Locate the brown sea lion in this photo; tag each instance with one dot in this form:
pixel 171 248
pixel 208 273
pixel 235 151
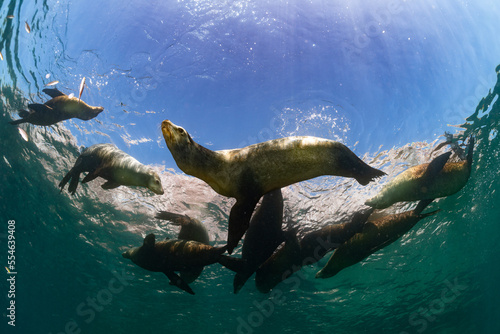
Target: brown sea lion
pixel 310 249
pixel 250 172
pixel 375 235
pixel 439 178
pixel 114 165
pixel 61 107
pixel 191 229
pixel 173 255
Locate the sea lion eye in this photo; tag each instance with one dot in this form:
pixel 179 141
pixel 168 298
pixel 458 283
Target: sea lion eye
pixel 182 131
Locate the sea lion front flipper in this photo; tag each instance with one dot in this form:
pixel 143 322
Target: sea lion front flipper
pixel 53 92
pixel 178 282
pixel 239 220
pixel 470 149
pixel 433 169
pixel 175 218
pixel 40 108
pixel 110 185
pixel 90 176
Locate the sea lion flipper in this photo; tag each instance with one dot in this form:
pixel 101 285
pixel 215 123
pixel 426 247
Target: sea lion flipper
pixel 470 149
pixel 239 220
pixel 53 92
pixel 435 166
pixel 40 108
pixel 90 176
pixel 422 205
pixel 178 282
pixel 174 218
pixel 110 185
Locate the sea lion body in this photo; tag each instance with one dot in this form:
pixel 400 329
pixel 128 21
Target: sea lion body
pixel 114 165
pixel 248 173
pixel 61 107
pixel 375 235
pixel 191 229
pixel 310 249
pixel 417 184
pixel 173 255
pixel 263 236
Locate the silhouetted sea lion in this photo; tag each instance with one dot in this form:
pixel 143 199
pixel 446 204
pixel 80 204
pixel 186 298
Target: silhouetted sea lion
pixel 248 173
pixel 375 235
pixel 191 229
pixel 310 249
pixel 438 178
pixel 114 165
pixel 61 107
pixel 263 236
pixel 173 255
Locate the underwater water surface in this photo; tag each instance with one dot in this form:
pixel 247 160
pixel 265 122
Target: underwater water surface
pixel 388 79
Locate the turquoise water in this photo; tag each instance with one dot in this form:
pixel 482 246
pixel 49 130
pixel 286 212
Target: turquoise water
pixel 233 75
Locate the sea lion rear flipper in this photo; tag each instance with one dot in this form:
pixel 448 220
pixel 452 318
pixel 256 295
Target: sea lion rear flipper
pixel 110 185
pixel 53 92
pixel 178 282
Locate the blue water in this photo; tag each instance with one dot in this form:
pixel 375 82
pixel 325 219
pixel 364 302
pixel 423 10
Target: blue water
pixel 387 79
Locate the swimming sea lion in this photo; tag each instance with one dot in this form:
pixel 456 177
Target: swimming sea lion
pixel 61 107
pixel 312 247
pixel 191 229
pixel 263 236
pixel 438 178
pixel 173 255
pixel 375 235
pixel 248 173
pixel 114 165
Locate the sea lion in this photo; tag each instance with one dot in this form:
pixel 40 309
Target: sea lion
pixel 173 255
pixel 263 236
pixel 310 249
pixel 375 235
pixel 191 229
pixel 61 107
pixel 114 165
pixel 248 173
pixel 439 178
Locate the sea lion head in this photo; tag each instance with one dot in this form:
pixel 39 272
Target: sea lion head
pixel 90 113
pixel 174 135
pixel 154 183
pixel 142 255
pixel 180 144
